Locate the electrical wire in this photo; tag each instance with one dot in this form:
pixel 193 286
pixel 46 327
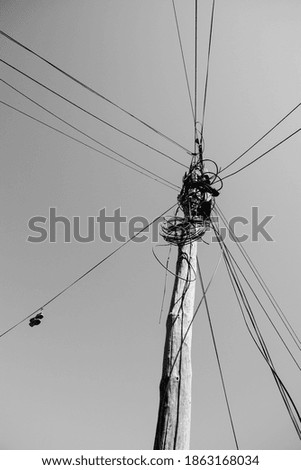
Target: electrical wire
pixel 259 340
pixel 183 58
pixel 71 77
pixel 165 284
pixel 261 138
pixel 83 143
pixel 86 273
pixel 169 271
pixel 261 305
pixel 179 231
pixel 261 282
pixel 262 155
pixel 195 73
pixel 207 68
pixel 217 356
pixel 92 115
pixel 87 135
pixel 288 402
pixel 258 300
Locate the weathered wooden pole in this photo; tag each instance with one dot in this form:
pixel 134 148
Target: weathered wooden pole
pixel 173 426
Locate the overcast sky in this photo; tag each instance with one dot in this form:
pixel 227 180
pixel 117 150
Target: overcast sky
pixel 88 376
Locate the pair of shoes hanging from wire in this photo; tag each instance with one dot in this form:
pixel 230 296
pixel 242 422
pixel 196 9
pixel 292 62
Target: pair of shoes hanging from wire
pixel 37 319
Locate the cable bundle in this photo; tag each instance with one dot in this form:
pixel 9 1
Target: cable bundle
pixel 181 231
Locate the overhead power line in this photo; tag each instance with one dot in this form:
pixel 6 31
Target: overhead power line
pixel 261 281
pixel 256 334
pixel 262 155
pixel 87 272
pixel 10 38
pixel 81 142
pixel 183 58
pixel 217 355
pixel 87 135
pixel 91 114
pixel 261 305
pixel 195 73
pixel 207 68
pixel 261 138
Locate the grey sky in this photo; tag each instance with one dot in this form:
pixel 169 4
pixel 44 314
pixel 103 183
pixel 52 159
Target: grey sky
pixel 88 377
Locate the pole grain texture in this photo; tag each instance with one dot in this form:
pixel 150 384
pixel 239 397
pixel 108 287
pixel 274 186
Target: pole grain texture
pixel 174 417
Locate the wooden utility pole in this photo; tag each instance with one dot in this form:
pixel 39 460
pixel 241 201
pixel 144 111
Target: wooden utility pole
pixel 173 426
pixel 195 202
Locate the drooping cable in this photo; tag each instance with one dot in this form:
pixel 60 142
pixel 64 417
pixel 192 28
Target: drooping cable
pixel 217 356
pixel 92 114
pixel 170 271
pixel 261 281
pixel 165 284
pixel 87 272
pixel 207 69
pixel 87 135
pixel 183 58
pixel 261 138
pixel 23 113
pixel 10 38
pixel 262 155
